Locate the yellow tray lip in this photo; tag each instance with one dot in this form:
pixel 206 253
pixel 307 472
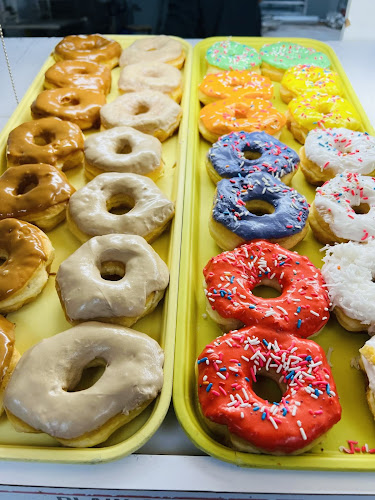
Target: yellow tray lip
pixel 120 450
pixel 307 461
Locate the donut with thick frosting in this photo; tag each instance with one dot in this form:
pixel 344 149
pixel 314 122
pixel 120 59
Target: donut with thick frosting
pixel 230 55
pixel 94 48
pixel 80 74
pixel 162 48
pixel 367 353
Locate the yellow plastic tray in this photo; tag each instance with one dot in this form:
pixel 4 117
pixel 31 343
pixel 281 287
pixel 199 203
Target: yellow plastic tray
pixel 194 331
pixel 44 317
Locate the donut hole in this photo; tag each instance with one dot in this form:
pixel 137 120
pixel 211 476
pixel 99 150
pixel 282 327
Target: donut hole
pixel 325 108
pixel 259 207
pixel 69 100
pixel 362 208
pixel 123 147
pixel 151 49
pixel 240 112
pixel 91 373
pixel 251 155
pixel 267 289
pixel 44 138
pixel 267 388
pixel 3 256
pixel 112 271
pixel 120 204
pixel 141 109
pixel 28 182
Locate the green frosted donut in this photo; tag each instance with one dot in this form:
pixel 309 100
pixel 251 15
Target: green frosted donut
pixel 230 55
pixel 284 55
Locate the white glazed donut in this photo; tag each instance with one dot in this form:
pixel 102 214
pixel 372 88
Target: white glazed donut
pixel 348 271
pixel 89 211
pixel 344 209
pixel 117 278
pixel 330 151
pixel 151 76
pixel 367 362
pixel 123 150
pixel 158 48
pixel 148 111
pixel 40 396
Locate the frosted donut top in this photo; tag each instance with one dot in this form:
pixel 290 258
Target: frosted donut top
pixel 230 55
pixel 284 55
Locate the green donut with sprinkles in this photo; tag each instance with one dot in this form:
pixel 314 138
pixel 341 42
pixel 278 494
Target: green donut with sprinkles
pixel 228 56
pixel 276 58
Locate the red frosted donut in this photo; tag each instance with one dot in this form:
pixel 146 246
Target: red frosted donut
pixel 230 365
pixel 302 307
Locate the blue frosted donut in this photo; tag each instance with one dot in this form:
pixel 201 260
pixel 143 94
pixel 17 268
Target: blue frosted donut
pixel 227 159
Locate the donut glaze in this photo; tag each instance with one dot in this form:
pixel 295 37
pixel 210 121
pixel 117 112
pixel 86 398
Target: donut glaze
pixel 94 48
pixel 80 74
pixel 230 365
pixel 231 55
pixel 302 307
pixel 284 55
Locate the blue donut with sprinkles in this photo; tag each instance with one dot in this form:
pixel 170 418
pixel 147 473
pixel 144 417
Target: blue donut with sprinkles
pixel 257 206
pixel 244 153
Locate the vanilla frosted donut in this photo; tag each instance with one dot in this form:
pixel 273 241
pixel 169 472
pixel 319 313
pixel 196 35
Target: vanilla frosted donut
pixel 348 271
pixel 158 48
pixel 89 212
pixel 148 111
pixel 367 363
pixel 330 151
pixel 123 149
pixel 344 209
pixel 117 278
pixel 151 76
pixel 40 396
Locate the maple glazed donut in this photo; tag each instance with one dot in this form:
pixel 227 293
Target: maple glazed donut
pixel 80 106
pixel 9 355
pixel 255 207
pixel 37 402
pixel 89 213
pixel 48 140
pixel 93 48
pixel 302 307
pixel 230 55
pixel 80 74
pixel 123 150
pixel 162 49
pixel 36 193
pixel 27 254
pixel 88 291
pixel 228 369
pixel 243 153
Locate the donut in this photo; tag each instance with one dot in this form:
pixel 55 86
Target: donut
pixel 9 356
pixel 148 111
pixel 118 278
pixel 229 55
pixel 80 74
pixel 277 57
pixel 344 209
pixel 216 86
pixel 228 371
pixel 367 363
pixel 237 114
pixel 242 153
pixel 26 254
pixel 309 111
pixel 48 140
pixel 41 395
pixel 230 278
pixel 255 207
pixel 123 150
pixel 92 209
pixel 162 49
pixel 331 151
pixel 348 271
pixel 304 78
pixel 36 193
pixel 92 48
pixel 79 106
pixel 152 76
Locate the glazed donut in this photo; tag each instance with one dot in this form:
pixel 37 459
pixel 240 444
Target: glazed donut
pixel 79 106
pixel 344 209
pixel 239 114
pixel 348 271
pixel 27 254
pixel 254 207
pixel 229 55
pixel 309 111
pixel 80 74
pixel 304 78
pixel 9 356
pixel 367 363
pixel 36 193
pixel 90 208
pixel 40 396
pixel 152 76
pixel 162 49
pixel 302 307
pixel 123 150
pixel 48 140
pixel 228 369
pixel 331 151
pixel 88 291
pixel 148 111
pixel 277 57
pixel 93 48
pixel 242 153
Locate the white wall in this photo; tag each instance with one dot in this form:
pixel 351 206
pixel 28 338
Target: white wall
pixel 361 16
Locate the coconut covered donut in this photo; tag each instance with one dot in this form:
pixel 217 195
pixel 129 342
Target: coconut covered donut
pixel 162 49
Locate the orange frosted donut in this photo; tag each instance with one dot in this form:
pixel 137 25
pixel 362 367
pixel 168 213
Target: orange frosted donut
pixel 216 86
pixel 239 114
pixel 94 48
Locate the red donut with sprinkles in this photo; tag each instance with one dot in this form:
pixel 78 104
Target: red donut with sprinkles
pixel 302 307
pixel 229 368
